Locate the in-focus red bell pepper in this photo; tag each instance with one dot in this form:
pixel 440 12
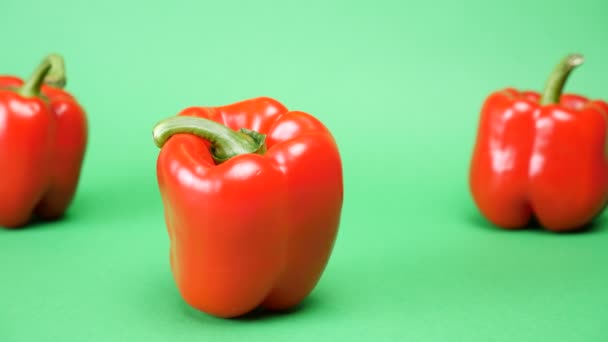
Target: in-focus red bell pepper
pixel 541 157
pixel 43 136
pixel 252 214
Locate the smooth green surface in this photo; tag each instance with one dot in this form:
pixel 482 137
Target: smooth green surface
pixel 399 83
pixel 556 82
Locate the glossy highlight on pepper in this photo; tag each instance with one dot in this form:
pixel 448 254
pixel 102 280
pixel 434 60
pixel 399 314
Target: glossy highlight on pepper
pixel 252 196
pixel 541 156
pixel 43 137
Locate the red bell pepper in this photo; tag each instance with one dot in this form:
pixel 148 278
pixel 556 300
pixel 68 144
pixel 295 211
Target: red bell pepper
pixel 541 157
pixel 43 135
pixel 252 214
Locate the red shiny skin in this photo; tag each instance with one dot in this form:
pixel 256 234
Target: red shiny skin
pixel 549 161
pixel 42 142
pixel 257 230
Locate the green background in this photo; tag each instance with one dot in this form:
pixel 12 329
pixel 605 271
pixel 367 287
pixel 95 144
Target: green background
pixel 399 84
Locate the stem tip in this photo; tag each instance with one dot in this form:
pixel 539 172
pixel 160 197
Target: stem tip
pixel 575 59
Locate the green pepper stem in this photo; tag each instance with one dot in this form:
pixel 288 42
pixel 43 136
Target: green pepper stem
pixel 225 143
pixel 57 75
pixel 51 71
pixel 557 79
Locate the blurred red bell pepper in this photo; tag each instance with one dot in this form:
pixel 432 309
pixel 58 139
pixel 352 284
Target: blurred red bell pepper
pixel 43 135
pixel 252 214
pixel 541 157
